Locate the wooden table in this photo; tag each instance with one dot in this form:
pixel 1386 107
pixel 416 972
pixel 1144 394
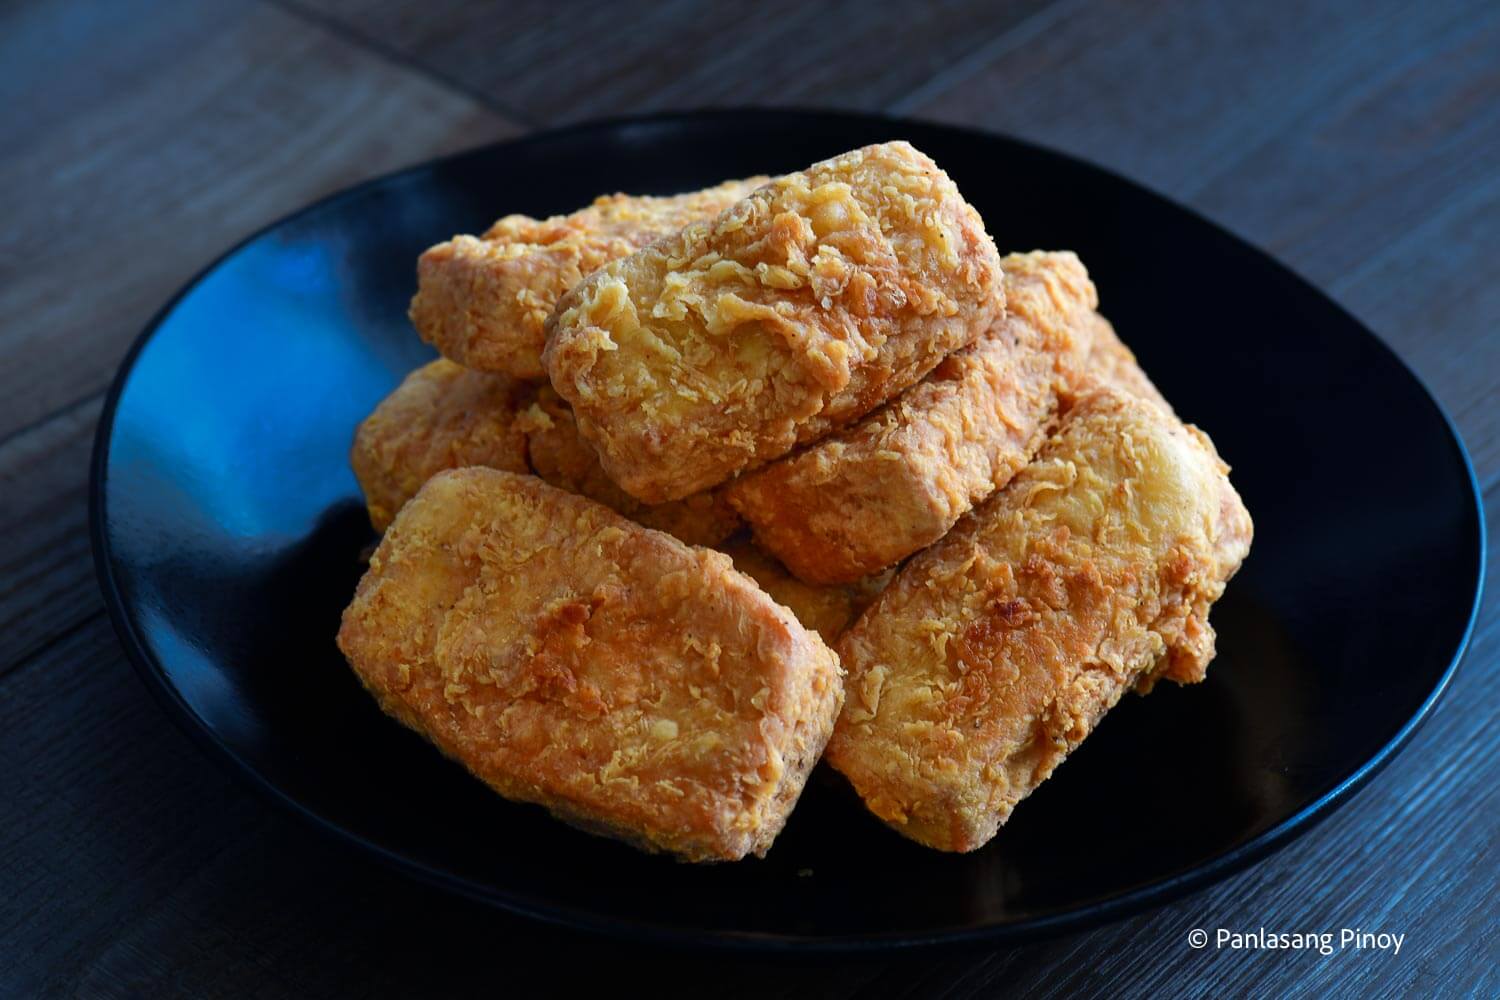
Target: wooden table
pixel 1359 142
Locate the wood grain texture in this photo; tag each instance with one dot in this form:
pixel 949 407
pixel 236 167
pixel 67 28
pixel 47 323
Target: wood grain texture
pixel 46 575
pixel 177 129
pixel 1414 852
pixel 158 875
pixel 1357 141
pixel 170 879
pixel 547 63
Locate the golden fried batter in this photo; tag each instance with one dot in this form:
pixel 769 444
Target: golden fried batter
pixel 995 652
pixel 1112 363
pixel 794 313
pixel 565 460
pixel 484 301
pixel 441 417
pixel 825 610
pixel 444 417
pixel 633 685
pixel 869 496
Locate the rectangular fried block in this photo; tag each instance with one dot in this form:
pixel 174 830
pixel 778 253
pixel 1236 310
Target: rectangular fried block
pixel 867 497
pixel 827 610
pixel 441 416
pixel 1112 363
pixel 797 311
pixel 995 652
pixel 559 456
pixel 484 301
pixel 633 685
pixel 444 416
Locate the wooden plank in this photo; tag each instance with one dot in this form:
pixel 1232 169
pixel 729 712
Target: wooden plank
pixel 1415 852
pixel 46 573
pixel 548 62
pixel 142 139
pixel 1356 142
pixel 133 866
pixel 1432 296
pixel 1176 94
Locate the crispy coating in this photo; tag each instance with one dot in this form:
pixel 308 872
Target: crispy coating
pixel 995 652
pixel 825 610
pixel 444 416
pixel 441 417
pixel 559 456
pixel 484 301
pixel 633 685
pixel 794 313
pixel 1112 363
pixel 1053 302
pixel 867 497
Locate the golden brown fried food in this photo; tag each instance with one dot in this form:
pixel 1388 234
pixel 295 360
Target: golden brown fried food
pixel 867 497
pixel 863 499
pixel 825 610
pixel 633 685
pixel 484 301
pixel 444 416
pixel 565 460
pixel 1112 363
pixel 1055 301
pixel 441 417
pixel 794 313
pixel 995 652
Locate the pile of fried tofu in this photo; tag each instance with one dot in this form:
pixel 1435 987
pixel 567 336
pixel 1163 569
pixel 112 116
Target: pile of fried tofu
pixel 708 488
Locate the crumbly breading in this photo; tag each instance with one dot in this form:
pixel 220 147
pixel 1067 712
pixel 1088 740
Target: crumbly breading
pixel 996 651
pixel 794 313
pixel 633 685
pixel 867 497
pixel 440 417
pixel 559 456
pixel 825 610
pixel 484 301
pixel 444 416
pixel 1112 363
pixel 1051 297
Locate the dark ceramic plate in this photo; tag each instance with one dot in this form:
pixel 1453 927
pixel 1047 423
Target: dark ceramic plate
pixel 227 531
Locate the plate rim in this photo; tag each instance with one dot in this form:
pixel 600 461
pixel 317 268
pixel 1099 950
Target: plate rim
pixel 1077 918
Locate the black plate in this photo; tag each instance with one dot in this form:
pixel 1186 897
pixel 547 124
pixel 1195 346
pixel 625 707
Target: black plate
pixel 227 531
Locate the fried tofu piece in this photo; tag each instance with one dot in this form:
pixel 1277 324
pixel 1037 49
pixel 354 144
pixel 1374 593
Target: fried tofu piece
pixel 867 497
pixel 559 456
pixel 996 651
pixel 440 417
pixel 484 301
pixel 633 685
pixel 863 499
pixel 796 312
pixel 1112 363
pixel 444 416
pixel 825 610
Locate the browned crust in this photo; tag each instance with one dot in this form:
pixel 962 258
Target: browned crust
pixel 569 657
pixel 484 301
pixel 443 416
pixel 1111 363
pixel 827 610
pixel 561 457
pixel 867 497
pixel 996 651
pixel 440 417
pixel 796 312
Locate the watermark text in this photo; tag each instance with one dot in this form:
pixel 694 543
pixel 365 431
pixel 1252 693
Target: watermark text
pixel 1322 942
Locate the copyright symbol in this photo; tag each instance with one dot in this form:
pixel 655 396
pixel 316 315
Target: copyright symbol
pixel 1197 937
